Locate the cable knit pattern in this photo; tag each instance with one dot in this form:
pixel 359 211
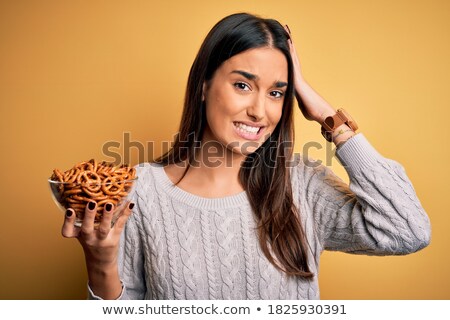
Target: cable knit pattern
pixel 249 255
pixel 188 242
pixel 213 273
pixel 171 247
pixel 153 245
pixel 178 245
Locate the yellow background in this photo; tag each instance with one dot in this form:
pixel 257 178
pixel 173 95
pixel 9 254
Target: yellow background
pixel 77 74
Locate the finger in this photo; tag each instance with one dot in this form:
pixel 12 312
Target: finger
pixel 286 27
pixel 288 30
pixel 293 50
pixel 297 72
pixel 87 226
pixel 121 221
pixel 68 229
pixel 105 225
pixel 290 41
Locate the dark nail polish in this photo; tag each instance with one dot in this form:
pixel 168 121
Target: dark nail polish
pixel 108 207
pixel 131 205
pixel 68 213
pixel 91 205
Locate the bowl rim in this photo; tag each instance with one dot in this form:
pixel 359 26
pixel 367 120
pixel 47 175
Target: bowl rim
pixel 101 183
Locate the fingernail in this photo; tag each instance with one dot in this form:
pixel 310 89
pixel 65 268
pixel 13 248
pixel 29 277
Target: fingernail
pixel 91 205
pixel 131 205
pixel 108 207
pixel 68 213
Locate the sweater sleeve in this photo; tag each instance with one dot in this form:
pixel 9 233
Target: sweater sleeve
pixel 378 213
pixel 131 257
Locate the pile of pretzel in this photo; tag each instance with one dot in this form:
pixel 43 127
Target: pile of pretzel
pixel 88 180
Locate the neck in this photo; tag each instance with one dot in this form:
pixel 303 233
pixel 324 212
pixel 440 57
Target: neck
pixel 216 165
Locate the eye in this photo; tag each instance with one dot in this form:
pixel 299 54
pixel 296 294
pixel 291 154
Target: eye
pixel 277 94
pixel 242 86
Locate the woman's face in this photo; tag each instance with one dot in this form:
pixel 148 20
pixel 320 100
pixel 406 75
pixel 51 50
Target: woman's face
pixel 244 99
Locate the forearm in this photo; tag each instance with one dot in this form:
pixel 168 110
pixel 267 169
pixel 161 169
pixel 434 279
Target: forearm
pixel 313 101
pixel 312 105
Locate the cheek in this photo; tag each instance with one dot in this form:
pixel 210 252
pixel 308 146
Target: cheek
pixel 216 113
pixel 214 108
pixel 274 115
pixel 223 106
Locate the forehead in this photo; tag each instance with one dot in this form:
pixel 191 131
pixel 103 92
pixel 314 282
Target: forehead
pixel 267 63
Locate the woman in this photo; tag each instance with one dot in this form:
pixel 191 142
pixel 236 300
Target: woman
pixel 226 213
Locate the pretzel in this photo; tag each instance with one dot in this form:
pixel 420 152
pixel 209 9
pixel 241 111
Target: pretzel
pixel 88 180
pixel 111 186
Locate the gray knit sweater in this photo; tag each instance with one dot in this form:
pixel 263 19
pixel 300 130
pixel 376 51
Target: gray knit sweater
pixel 177 245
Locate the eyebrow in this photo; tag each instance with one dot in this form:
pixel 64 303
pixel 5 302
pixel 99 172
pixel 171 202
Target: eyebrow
pixel 250 76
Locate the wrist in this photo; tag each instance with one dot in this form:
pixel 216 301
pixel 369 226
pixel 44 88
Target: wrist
pixel 101 269
pixel 103 266
pixel 327 112
pixel 342 134
pixel 338 127
pixel 104 282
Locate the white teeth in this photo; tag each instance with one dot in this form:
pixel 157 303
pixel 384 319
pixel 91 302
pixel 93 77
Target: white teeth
pixel 247 129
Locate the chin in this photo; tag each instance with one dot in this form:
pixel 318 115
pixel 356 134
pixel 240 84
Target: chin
pixel 246 147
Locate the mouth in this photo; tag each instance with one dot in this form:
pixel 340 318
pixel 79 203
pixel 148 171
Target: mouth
pixel 248 132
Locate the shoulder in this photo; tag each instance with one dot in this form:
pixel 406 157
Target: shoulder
pixel 143 170
pixel 153 177
pixel 145 183
pixel 310 176
pixel 305 168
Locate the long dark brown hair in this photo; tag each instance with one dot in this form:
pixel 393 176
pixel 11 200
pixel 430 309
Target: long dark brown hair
pixel 264 174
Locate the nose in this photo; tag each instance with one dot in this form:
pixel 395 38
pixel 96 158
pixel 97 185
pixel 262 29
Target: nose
pixel 257 109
